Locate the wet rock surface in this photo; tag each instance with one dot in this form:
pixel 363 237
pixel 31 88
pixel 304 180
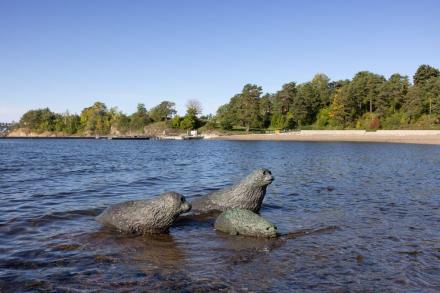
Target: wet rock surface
pixel 243 222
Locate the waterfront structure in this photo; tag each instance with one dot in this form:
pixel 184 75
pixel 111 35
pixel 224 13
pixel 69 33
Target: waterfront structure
pixel 5 128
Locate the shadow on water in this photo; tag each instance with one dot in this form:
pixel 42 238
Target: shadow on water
pixel 157 250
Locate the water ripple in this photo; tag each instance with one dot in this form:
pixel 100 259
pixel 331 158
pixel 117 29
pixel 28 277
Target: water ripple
pixel 353 217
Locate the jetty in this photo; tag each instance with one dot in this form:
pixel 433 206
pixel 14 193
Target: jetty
pixel 190 135
pixel 83 137
pixel 7 134
pixel 152 137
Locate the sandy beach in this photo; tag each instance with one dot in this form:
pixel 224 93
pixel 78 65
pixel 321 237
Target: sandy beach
pixel 386 136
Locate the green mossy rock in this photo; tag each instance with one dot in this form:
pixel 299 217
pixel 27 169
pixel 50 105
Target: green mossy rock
pixel 244 222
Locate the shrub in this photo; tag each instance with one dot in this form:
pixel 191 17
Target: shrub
pixel 426 122
pixel 369 121
pixel 396 121
pixel 175 122
pixel 323 118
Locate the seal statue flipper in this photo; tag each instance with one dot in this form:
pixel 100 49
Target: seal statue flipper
pixel 155 215
pixel 247 194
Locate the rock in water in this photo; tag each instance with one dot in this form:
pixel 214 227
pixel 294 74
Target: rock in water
pixel 155 215
pixel 244 222
pixel 247 194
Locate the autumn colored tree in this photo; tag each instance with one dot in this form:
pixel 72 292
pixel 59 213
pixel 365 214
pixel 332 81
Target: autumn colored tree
pixel 343 108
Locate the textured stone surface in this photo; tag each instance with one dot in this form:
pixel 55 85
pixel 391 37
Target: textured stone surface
pixel 247 194
pixel 244 222
pixel 155 215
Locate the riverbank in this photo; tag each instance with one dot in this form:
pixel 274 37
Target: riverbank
pixel 386 136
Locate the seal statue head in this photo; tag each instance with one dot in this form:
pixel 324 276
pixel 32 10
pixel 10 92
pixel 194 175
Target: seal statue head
pixel 260 177
pixel 177 201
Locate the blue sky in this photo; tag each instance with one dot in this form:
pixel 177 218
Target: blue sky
pixel 68 54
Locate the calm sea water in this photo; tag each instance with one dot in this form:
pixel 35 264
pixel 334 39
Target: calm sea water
pixel 366 217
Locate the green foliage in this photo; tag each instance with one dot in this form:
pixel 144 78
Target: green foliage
pixel 194 107
pixel 284 99
pixel 364 90
pixel 266 110
pixel 282 122
pixel 307 104
pixel 323 118
pixel 414 105
pixel 322 89
pixel 423 99
pixel 119 121
pixel 396 120
pixel 72 123
pixel 39 120
pixel 210 125
pixel 427 121
pixel 391 95
pixel 278 121
pixel 43 120
pixel 431 96
pixel 246 106
pixel 343 108
pixel 226 124
pixel 162 112
pixel 191 121
pixel 369 121
pixel 67 123
pixel 424 73
pixel 368 101
pixel 95 120
pixel 175 122
pixel 139 119
pixel 226 117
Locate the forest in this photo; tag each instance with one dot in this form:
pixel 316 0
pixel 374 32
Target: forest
pixel 367 101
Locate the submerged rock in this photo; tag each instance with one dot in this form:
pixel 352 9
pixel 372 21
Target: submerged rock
pixel 244 222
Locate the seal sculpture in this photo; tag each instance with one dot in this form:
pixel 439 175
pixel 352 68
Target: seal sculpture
pixel 244 222
pixel 247 194
pixel 154 215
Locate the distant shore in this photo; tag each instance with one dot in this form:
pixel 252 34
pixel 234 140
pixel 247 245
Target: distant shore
pixel 386 136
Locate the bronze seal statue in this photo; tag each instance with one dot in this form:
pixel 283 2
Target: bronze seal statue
pixel 154 215
pixel 247 194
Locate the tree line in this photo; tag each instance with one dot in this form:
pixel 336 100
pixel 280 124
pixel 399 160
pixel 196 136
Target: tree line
pixel 367 101
pixel 98 119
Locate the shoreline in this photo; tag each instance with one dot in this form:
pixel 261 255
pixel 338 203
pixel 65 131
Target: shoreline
pixel 31 137
pixel 431 137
